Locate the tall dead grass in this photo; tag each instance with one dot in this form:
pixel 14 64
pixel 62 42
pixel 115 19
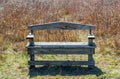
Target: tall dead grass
pixel 104 14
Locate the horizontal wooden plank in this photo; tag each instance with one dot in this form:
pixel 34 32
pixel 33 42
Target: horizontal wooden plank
pixel 63 63
pixel 60 51
pixel 61 45
pixel 61 25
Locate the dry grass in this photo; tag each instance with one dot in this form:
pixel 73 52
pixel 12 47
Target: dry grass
pixel 104 14
pixel 16 15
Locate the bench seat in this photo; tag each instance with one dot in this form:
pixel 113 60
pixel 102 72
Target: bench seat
pixel 61 48
pixel 61 45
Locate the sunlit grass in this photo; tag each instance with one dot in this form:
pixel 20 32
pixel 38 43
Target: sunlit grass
pixel 15 66
pixel 15 17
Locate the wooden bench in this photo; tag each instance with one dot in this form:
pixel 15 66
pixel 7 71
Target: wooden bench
pixel 61 47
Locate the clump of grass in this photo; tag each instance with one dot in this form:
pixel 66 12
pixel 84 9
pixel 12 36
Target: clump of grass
pixel 108 45
pixel 14 65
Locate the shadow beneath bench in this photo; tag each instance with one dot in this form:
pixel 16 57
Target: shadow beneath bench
pixel 64 71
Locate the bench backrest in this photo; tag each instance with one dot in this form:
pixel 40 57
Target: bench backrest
pixel 61 26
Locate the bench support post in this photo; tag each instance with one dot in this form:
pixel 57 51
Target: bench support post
pixel 32 58
pixel 90 38
pixel 91 60
pixel 31 38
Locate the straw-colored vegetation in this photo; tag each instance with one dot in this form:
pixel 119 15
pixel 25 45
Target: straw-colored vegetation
pixel 16 15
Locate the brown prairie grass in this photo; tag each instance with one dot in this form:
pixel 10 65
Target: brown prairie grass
pixel 104 14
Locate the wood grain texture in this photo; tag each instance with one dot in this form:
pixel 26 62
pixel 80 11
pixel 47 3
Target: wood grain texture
pixel 61 26
pixel 63 63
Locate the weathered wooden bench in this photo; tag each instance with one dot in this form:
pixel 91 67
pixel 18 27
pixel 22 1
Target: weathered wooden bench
pixel 61 47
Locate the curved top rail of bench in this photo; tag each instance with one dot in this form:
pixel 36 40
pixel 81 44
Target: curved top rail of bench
pixel 61 26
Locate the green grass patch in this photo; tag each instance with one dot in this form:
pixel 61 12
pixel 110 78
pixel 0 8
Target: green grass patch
pixel 14 65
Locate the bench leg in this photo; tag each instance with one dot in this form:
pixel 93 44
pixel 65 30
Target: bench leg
pixel 91 61
pixel 32 58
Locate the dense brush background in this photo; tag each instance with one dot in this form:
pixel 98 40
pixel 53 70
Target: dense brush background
pixel 16 15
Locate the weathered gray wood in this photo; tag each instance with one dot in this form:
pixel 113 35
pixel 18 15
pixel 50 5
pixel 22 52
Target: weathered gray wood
pixel 32 58
pixel 63 63
pixel 61 25
pixel 90 59
pixel 60 51
pixel 61 45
